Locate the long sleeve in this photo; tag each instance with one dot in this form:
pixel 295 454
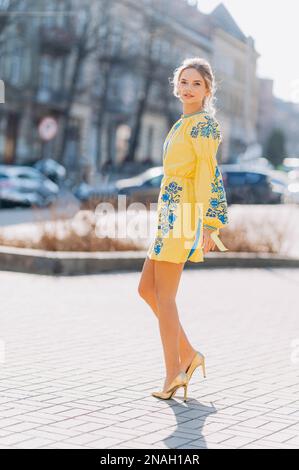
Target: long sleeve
pixel 208 184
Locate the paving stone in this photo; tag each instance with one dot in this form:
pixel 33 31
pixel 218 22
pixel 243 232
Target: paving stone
pixel 79 374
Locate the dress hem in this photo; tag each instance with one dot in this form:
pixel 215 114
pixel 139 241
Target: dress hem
pixel 176 262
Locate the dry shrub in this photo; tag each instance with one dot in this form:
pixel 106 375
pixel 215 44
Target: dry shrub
pixel 255 229
pixel 64 234
pixel 68 237
pixel 263 229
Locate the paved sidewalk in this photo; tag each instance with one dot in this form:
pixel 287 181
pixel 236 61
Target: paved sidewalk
pixel 83 354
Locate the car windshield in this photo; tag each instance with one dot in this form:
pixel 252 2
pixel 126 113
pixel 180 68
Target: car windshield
pixel 254 177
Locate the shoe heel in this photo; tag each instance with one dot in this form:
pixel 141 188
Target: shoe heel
pixel 185 392
pixel 203 365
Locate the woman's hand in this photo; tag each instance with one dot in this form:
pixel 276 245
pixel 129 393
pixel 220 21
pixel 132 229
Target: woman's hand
pixel 208 243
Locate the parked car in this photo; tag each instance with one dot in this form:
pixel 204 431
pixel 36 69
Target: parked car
pixel 16 195
pixel 290 163
pixel 142 188
pixel 259 163
pixel 244 185
pixel 293 175
pixel 51 169
pixel 24 186
pixel 85 191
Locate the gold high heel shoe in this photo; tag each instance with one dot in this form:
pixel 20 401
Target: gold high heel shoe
pixel 181 380
pixel 198 360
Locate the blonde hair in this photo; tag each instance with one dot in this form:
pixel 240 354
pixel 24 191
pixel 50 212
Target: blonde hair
pixel 204 68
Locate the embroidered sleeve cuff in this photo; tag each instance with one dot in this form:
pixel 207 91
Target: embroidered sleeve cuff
pixel 210 227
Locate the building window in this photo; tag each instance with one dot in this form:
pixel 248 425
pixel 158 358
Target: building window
pixel 45 72
pixel 13 63
pixel 51 73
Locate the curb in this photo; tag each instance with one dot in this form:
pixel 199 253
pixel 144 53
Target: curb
pixel 27 260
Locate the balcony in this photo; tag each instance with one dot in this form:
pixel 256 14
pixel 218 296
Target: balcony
pixel 56 40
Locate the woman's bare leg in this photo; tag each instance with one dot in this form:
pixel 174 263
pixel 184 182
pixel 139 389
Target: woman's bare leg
pixel 167 276
pixel 146 290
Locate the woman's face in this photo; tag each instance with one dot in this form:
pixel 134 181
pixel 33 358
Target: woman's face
pixel 192 87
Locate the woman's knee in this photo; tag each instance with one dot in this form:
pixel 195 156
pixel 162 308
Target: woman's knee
pixel 145 291
pixel 146 282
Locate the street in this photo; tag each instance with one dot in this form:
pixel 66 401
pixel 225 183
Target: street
pixel 81 356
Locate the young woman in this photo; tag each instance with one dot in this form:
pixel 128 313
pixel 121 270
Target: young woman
pixel 192 207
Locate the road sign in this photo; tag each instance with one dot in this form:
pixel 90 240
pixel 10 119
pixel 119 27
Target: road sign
pixel 48 128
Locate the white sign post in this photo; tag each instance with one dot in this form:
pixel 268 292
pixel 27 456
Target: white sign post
pixel 47 130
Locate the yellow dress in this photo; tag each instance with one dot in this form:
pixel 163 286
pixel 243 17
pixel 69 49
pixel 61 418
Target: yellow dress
pixel 192 194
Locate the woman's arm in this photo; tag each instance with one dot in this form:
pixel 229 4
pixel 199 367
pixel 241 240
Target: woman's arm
pixel 209 189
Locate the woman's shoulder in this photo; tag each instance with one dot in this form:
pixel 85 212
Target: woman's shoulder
pixel 205 118
pixel 204 125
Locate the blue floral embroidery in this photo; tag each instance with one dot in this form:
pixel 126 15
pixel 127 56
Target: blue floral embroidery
pixel 158 245
pixel 218 203
pixel 210 127
pixel 170 197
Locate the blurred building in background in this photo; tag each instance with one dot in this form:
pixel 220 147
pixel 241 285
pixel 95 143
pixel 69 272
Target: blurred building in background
pixel 277 114
pixel 286 118
pixel 235 63
pixel 265 110
pixel 101 69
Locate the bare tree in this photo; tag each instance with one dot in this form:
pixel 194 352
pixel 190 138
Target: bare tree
pixel 7 8
pixel 106 61
pixel 86 43
pixel 143 62
pixel 150 66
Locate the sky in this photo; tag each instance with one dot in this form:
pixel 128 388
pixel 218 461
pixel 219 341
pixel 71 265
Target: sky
pixel 274 27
